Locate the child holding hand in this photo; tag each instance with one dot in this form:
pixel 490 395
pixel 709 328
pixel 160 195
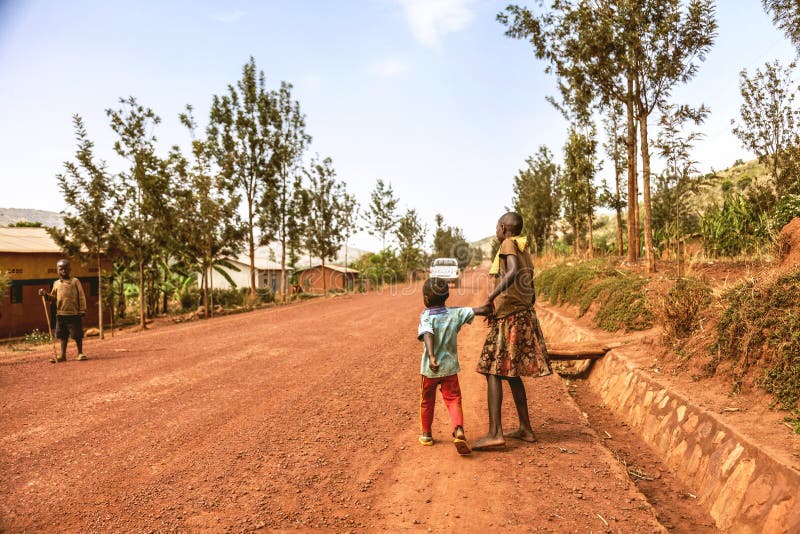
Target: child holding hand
pixel 438 329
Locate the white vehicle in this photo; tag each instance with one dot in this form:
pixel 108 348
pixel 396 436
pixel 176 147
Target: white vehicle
pixel 446 269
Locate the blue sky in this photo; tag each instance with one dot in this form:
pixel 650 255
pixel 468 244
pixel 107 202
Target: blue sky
pixel 426 94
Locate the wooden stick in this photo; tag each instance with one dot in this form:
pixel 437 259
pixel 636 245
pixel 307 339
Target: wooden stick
pixel 49 328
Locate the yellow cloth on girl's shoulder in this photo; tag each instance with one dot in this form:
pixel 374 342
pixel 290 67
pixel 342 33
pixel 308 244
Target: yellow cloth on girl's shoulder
pixel 520 240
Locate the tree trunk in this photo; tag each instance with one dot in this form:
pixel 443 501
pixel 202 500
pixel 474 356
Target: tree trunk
pixel 204 288
pixel 591 236
pixel 210 309
pixel 283 267
pixel 100 297
pixel 630 142
pixel 649 255
pixel 141 296
pixel 617 206
pixel 252 251
pixel 346 275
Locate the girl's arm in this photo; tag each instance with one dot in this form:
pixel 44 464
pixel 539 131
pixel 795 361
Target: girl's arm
pixel 482 310
pixel 513 268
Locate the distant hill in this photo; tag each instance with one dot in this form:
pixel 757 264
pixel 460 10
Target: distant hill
pixel 485 245
pixel 15 215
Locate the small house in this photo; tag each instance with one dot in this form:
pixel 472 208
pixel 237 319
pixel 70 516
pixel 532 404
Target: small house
pixel 268 273
pixel 28 256
pixel 335 277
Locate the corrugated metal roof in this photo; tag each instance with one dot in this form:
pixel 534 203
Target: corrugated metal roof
pixel 337 268
pixel 27 240
pixel 261 263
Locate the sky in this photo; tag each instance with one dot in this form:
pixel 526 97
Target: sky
pixel 428 95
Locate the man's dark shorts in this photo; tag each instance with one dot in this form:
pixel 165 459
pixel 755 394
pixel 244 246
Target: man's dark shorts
pixel 69 326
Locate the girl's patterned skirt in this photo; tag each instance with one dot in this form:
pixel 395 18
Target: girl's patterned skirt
pixel 515 347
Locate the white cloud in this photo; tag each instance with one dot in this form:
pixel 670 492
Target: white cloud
pixel 431 20
pixel 389 67
pixel 228 18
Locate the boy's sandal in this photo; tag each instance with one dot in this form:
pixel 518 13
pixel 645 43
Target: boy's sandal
pixel 462 446
pixel 426 440
pixel 81 358
pixel 57 360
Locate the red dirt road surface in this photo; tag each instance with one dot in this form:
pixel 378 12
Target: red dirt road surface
pixel 303 416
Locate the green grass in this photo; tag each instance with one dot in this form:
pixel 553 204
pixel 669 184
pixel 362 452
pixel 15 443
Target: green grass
pixel 620 296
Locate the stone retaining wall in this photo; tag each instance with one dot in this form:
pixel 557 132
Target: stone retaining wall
pixel 744 488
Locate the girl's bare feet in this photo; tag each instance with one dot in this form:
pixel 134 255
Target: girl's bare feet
pixel 489 442
pixel 524 435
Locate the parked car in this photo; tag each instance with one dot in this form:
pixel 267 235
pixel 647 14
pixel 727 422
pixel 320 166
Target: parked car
pixel 446 269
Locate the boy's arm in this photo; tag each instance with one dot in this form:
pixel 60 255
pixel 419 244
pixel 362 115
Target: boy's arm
pixel 81 298
pixel 433 363
pixel 51 295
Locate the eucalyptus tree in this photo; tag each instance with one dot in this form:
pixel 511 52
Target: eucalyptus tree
pixel 631 51
pixel 615 130
pixel 786 16
pixel 349 211
pixel 449 242
pixel 675 145
pixel 537 197
pixel 289 141
pixel 143 190
pixel 577 184
pixel 210 228
pixel 326 218
pixel 242 123
pixel 770 122
pixel 88 192
pixel 410 233
pixel 381 213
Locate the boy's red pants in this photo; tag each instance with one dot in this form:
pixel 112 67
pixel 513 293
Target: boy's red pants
pixel 451 394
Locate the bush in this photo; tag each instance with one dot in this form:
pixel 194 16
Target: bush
pixel 620 296
pixel 37 337
pixel 265 295
pixel 189 299
pixel 682 306
pixel 734 228
pixel 761 325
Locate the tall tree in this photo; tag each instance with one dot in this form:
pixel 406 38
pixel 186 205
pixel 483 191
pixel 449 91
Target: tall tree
pixel 326 219
pixel 241 125
pixel 680 176
pixel 210 228
pixel 381 214
pixel 410 234
pixel 615 126
pixel 89 218
pixel 580 193
pixel 786 16
pixel 143 196
pixel 630 51
pixel 770 123
pixel 289 142
pixel 537 197
pixel 349 212
pixel 671 42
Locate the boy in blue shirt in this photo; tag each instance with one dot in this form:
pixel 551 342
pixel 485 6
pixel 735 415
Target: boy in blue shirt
pixel 438 329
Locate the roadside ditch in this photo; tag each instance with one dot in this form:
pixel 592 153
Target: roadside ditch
pixel 697 470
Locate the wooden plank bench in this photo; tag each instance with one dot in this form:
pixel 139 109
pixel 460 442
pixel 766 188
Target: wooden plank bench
pixel 578 351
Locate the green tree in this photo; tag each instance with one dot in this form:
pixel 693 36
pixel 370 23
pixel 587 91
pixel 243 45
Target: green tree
pixel 326 218
pixel 579 191
pixel 349 211
pixel 770 121
pixel 621 50
pixel 786 17
pixel 410 234
pixel 537 197
pixel 615 130
pixel 210 228
pixel 680 177
pixel 449 242
pixel 381 214
pixel 241 125
pixel 143 192
pixel 89 217
pixel 289 142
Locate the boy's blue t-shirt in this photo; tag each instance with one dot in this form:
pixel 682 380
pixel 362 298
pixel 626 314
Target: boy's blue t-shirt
pixel 444 323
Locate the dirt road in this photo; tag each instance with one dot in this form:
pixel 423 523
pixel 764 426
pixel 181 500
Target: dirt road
pixel 297 417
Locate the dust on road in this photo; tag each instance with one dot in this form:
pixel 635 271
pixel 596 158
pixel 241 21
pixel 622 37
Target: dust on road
pixel 302 416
